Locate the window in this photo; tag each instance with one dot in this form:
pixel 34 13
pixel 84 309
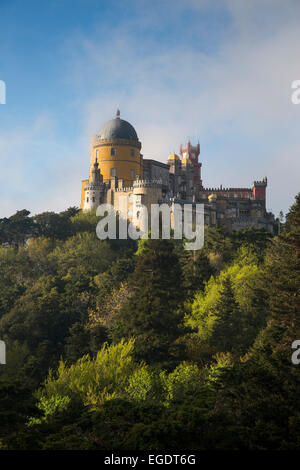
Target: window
pixel 113 152
pixel 132 152
pixel 132 175
pixel 87 199
pixel 113 172
pixel 244 212
pixel 93 199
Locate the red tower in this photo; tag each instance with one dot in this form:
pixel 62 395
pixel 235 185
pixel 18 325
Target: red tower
pixel 192 153
pixel 259 189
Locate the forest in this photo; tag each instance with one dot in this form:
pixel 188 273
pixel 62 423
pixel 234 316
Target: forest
pixel 145 345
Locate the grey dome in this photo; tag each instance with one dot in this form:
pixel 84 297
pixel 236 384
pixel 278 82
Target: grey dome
pixel 118 129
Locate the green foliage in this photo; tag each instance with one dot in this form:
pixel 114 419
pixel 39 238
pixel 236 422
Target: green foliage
pixel 140 384
pixel 52 225
pixel 84 222
pixel 13 279
pixel 184 383
pixel 49 407
pixel 282 282
pixel 227 330
pixel 151 314
pixel 196 271
pixel 80 258
pixel 17 402
pixel 217 242
pixel 92 381
pixel 145 385
pixel 15 230
pixel 200 343
pixel 230 312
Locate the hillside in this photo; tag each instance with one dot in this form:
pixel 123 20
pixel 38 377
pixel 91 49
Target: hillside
pixel 122 345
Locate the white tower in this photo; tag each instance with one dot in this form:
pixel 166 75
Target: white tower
pixel 93 191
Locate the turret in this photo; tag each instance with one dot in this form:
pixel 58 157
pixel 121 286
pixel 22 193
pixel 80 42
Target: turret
pixel 191 152
pixel 94 189
pixel 259 189
pixel 174 163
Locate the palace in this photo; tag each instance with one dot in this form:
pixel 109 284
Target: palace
pixel 117 168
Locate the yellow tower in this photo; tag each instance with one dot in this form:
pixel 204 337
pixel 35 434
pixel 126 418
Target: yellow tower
pixel 117 149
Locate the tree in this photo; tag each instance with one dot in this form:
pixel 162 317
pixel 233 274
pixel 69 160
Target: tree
pixel 282 279
pixel 244 295
pixel 89 381
pixel 52 225
pixel 151 315
pixel 196 271
pixel 70 212
pixel 80 258
pixel 16 229
pixel 77 343
pixel 218 245
pixel 260 395
pixel 227 331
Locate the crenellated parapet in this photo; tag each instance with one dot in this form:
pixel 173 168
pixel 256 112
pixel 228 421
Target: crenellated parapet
pixel 146 183
pixel 141 184
pixel 220 190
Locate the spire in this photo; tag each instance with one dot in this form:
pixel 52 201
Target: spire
pixel 96 177
pixel 118 113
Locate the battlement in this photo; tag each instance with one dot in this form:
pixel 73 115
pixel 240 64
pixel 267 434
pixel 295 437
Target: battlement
pixel 220 190
pixel 264 182
pixel 126 189
pixel 146 183
pixel 141 184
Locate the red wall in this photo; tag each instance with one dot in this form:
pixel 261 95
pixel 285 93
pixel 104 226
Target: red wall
pixel 259 192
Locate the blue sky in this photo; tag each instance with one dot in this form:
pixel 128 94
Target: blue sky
pixel 220 72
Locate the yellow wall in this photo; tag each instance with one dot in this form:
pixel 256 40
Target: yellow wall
pixel 122 161
pixel 82 193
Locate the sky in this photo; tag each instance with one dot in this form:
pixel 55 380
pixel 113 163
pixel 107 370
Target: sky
pixel 215 71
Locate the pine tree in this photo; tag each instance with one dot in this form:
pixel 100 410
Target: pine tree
pixel 152 315
pixel 266 388
pixel 196 271
pixel 283 284
pixel 226 335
